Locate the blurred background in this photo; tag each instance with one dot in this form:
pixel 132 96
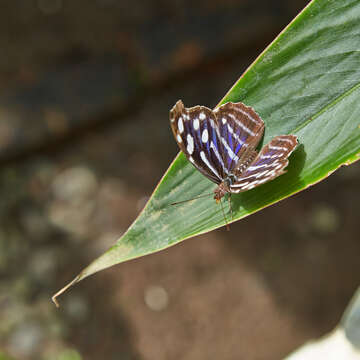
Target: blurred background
pixel 85 91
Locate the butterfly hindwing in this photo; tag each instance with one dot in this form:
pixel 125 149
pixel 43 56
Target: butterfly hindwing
pixel 240 128
pixel 267 165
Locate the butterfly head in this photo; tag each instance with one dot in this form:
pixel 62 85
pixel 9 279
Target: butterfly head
pixel 221 190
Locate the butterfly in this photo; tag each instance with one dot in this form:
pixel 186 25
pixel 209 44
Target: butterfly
pixel 222 143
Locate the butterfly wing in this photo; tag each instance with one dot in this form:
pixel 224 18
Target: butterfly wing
pixel 241 129
pixel 268 164
pixel 197 134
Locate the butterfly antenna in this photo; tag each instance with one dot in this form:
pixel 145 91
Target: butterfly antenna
pixel 197 197
pixel 226 223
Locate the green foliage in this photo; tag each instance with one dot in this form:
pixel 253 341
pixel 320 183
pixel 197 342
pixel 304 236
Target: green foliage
pixel 5 357
pixel 69 354
pixel 305 83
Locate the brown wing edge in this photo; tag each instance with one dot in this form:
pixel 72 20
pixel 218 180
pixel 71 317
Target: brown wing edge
pixel 258 129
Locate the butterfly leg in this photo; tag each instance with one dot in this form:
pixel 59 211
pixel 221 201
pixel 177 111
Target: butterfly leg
pixel 230 207
pixel 226 223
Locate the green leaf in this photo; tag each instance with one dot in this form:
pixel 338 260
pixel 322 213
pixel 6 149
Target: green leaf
pixel 305 83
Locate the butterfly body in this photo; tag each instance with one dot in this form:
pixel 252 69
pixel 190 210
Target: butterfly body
pixel 222 143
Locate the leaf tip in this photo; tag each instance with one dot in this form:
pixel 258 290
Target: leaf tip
pixel 62 290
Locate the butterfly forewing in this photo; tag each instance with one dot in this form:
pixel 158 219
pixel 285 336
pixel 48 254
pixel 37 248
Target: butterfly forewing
pixel 268 164
pixel 240 129
pixel 197 134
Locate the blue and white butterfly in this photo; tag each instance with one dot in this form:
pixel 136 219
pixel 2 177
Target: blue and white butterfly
pixel 222 143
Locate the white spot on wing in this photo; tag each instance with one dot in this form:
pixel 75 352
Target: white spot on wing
pixel 236 137
pixel 262 181
pixel 205 136
pixel 207 163
pixel 196 124
pixel 261 174
pixel 237 186
pixel 245 128
pixel 232 155
pixel 202 116
pixel 247 115
pixel 286 140
pixel 272 147
pixel 271 173
pixel 223 120
pixel 180 125
pixel 249 186
pixel 238 122
pixel 215 150
pixel 178 138
pixel 279 155
pixel 190 144
pixel 255 167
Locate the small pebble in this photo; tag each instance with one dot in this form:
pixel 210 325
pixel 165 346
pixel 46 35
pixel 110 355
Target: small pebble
pixel 156 298
pixel 26 339
pixel 324 219
pixel 75 184
pixel 42 265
